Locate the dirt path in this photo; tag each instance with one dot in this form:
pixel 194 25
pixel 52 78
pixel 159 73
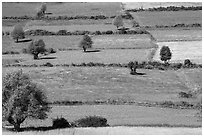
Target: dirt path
pixel 117 131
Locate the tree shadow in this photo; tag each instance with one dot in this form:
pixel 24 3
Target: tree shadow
pixel 92 51
pixel 24 40
pixel 47 57
pixel 32 129
pixel 136 73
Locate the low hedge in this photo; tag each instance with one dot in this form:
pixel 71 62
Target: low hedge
pixel 142 65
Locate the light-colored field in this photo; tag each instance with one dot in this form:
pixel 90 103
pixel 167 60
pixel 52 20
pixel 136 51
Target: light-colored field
pixel 182 50
pixel 166 35
pixel 167 18
pixel 66 8
pixel 89 84
pixel 146 5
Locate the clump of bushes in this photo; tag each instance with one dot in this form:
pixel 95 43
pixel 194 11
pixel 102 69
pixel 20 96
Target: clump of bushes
pixel 48 64
pixel 91 121
pixel 10 52
pixel 185 95
pixel 60 123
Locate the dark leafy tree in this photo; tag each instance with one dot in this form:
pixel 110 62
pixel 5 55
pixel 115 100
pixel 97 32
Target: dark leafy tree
pixel 36 47
pixel 133 66
pixel 86 42
pixel 22 99
pixel 18 33
pixel 165 54
pixel 118 21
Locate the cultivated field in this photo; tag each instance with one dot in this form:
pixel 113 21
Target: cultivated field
pixel 140 96
pixel 96 83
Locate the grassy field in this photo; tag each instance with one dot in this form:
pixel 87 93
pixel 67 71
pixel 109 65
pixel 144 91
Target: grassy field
pixel 72 42
pixel 89 84
pixel 121 115
pixel 179 54
pixel 67 8
pixel 168 18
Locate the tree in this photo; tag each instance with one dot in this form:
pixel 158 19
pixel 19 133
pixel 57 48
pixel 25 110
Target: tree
pixel 18 33
pixel 36 47
pixel 43 8
pixel 86 42
pixel 133 66
pixel 165 54
pixel 118 21
pixel 22 99
pixel 41 11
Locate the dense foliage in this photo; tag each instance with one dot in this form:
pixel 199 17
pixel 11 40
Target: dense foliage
pixel 18 33
pixel 21 99
pixel 86 42
pixel 36 47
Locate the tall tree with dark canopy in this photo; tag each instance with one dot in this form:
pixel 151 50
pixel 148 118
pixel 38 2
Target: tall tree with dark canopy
pixel 86 42
pixel 22 99
pixel 36 47
pixel 165 54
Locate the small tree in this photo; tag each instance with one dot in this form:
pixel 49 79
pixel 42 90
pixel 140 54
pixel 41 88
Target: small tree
pixel 133 66
pixel 22 99
pixel 86 42
pixel 43 8
pixel 118 21
pixel 18 33
pixel 165 54
pixel 36 47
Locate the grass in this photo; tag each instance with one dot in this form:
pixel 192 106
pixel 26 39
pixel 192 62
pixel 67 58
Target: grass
pixel 72 42
pixel 67 8
pixel 89 84
pixel 122 115
pixel 167 18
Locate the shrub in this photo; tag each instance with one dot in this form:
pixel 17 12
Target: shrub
pixel 60 123
pixel 21 99
pixel 133 66
pixel 187 63
pixel 17 33
pixel 86 42
pixel 165 54
pixel 36 47
pixel 48 64
pixel 185 95
pixel 62 32
pixel 7 33
pixel 92 121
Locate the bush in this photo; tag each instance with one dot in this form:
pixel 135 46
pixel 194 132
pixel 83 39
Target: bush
pixel 185 95
pixel 92 121
pixel 62 32
pixel 48 64
pixel 60 123
pixel 187 63
pixel 22 99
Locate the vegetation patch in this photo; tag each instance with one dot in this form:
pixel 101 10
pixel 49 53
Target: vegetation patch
pixel 91 121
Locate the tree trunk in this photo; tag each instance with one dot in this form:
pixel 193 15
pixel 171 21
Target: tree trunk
pixel 84 49
pixel 35 56
pixel 17 127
